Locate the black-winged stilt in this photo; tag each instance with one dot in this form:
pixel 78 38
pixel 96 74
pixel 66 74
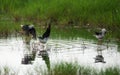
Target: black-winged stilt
pixel 43 39
pixel 101 34
pixel 29 30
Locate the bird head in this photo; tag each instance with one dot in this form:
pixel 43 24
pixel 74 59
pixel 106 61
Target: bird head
pixel 104 30
pixel 31 26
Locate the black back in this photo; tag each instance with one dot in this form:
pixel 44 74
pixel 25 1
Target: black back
pixel 33 32
pixel 98 33
pixel 29 31
pixel 25 28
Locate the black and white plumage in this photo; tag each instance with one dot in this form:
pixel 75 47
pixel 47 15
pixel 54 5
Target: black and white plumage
pixel 29 30
pixel 43 39
pixel 99 58
pixel 101 34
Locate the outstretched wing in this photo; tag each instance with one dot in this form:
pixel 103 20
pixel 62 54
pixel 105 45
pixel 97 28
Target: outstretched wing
pixel 47 32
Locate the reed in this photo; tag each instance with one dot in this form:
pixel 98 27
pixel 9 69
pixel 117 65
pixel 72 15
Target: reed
pixel 103 13
pixel 63 68
pixel 81 13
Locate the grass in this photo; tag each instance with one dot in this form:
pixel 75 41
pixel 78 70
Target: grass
pixel 110 71
pixel 6 70
pixel 64 68
pixel 63 13
pixel 10 28
pixel 103 13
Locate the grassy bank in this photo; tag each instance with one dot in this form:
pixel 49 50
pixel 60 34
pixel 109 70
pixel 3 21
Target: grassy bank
pixel 63 13
pixel 103 13
pixel 9 28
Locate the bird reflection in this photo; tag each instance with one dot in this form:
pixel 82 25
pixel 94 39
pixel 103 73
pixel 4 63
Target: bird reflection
pixel 28 55
pixel 45 57
pixel 99 57
pixel 28 58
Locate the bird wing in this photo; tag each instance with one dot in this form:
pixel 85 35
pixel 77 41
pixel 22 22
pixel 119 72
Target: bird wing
pixel 97 33
pixel 47 32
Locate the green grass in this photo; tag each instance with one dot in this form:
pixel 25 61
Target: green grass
pixel 63 13
pixel 103 13
pixel 8 28
pixel 110 71
pixel 63 68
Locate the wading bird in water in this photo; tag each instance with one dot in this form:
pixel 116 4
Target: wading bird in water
pixel 29 30
pixel 101 34
pixel 43 39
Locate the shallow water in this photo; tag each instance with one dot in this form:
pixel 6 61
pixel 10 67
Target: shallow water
pixel 79 50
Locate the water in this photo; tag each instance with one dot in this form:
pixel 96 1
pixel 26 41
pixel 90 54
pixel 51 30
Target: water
pixel 76 50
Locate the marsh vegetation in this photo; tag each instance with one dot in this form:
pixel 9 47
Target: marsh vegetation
pixel 73 25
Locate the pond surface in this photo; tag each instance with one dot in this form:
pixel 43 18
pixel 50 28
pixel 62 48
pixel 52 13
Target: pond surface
pixel 82 51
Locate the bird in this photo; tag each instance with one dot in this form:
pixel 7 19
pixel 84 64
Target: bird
pixel 29 30
pixel 99 58
pixel 43 39
pixel 101 34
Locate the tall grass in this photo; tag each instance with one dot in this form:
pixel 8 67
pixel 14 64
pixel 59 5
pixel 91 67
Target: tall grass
pixel 97 12
pixel 110 71
pixel 88 13
pixel 8 28
pixel 63 68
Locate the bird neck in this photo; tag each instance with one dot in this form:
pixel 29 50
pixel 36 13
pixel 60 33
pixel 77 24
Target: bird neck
pixel 103 33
